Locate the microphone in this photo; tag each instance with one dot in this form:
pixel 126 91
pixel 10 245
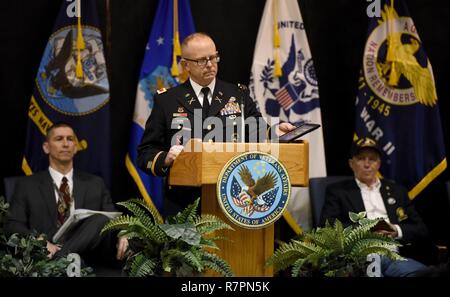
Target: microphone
pixel 243 89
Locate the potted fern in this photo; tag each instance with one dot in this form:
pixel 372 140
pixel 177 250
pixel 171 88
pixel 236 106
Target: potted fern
pixel 334 250
pixel 175 247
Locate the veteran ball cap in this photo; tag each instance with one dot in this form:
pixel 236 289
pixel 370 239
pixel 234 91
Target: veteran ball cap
pixel 364 143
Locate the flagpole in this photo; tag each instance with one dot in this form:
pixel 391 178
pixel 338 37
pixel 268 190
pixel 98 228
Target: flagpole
pixel 80 43
pixel 176 41
pixel 108 36
pixel 276 39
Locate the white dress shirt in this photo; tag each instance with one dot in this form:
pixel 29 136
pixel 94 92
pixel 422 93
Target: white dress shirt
pixel 198 90
pixel 374 204
pixel 57 179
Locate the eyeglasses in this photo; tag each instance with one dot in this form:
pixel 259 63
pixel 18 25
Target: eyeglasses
pixel 203 61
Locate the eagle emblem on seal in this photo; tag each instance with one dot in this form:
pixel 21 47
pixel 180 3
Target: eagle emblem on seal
pixel 256 195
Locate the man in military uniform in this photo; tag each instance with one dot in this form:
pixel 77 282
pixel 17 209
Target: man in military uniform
pixel 195 109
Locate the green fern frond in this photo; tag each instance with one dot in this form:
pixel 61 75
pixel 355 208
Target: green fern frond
pixel 154 213
pixel 139 212
pixel 297 266
pixel 208 243
pixel 154 233
pixel 209 223
pixel 129 234
pixel 189 214
pixel 286 254
pixel 380 250
pixel 119 223
pixel 306 247
pixel 359 232
pixel 193 257
pixel 340 240
pixel 363 243
pixel 321 255
pixel 347 230
pixel 170 259
pixel 215 263
pixel 142 266
pixel 326 238
pixel 368 246
pixel 282 261
pixel 381 237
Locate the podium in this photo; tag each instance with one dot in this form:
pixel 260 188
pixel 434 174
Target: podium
pixel 246 250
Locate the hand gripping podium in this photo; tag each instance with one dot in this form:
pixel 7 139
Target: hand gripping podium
pixel 246 250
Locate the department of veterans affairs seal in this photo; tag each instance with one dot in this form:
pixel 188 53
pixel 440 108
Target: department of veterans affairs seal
pixel 253 190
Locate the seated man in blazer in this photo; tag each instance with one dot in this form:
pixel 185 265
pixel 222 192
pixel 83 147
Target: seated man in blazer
pixel 379 199
pixel 43 201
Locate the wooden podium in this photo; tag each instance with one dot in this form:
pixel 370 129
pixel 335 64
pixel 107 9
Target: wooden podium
pixel 246 250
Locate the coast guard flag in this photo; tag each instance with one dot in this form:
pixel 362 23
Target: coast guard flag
pixel 284 84
pixel 397 104
pixel 173 22
pixel 72 86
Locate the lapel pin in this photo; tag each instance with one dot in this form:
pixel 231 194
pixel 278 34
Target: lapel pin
pixel 401 214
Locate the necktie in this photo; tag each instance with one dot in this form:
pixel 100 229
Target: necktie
pixel 205 92
pixel 64 201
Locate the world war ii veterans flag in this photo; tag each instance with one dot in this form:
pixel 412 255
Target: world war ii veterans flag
pixel 72 86
pixel 397 104
pixel 284 84
pixel 160 69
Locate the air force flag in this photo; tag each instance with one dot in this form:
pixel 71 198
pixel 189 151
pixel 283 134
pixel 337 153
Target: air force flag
pixel 173 22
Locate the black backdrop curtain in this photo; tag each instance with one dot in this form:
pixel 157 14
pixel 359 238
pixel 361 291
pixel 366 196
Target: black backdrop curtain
pixel 336 31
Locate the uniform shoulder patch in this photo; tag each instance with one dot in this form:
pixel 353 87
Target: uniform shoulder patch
pixel 162 90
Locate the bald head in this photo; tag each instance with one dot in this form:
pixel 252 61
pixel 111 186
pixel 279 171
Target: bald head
pixel 195 39
pixel 195 47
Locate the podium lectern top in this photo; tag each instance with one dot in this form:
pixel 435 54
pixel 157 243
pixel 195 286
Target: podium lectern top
pixel 201 163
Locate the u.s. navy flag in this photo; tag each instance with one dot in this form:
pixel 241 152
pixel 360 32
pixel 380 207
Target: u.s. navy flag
pixel 72 86
pixel 160 69
pixel 397 104
pixel 284 83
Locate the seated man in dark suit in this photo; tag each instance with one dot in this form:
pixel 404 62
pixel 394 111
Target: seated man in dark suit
pixel 379 199
pixel 43 201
